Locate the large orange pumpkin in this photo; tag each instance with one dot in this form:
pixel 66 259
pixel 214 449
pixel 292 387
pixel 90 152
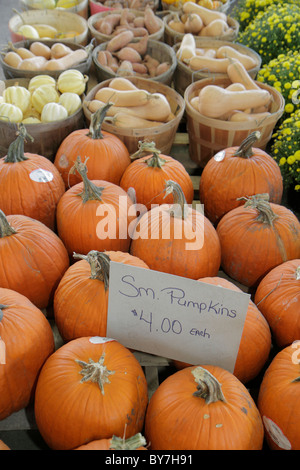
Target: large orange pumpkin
pixel 203 408
pixel 255 345
pixel 28 340
pixel 148 175
pixel 136 442
pixel 177 239
pixel 81 298
pixel 107 156
pixel 235 172
pixel 278 298
pixel 278 399
pixel 30 183
pixel 256 238
pixel 32 258
pixel 94 215
pixel 3 446
pixel 91 388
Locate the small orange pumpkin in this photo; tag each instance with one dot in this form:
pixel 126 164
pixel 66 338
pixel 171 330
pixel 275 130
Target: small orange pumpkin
pixel 107 156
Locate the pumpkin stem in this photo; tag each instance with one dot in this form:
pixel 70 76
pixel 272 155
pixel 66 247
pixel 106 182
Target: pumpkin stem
pixel 97 119
pixel 132 443
pixel 91 192
pixel 245 149
pixel 5 228
pixel 260 202
pixel 179 209
pixel 155 161
pixel 207 386
pixel 99 263
pixel 95 372
pixel 15 151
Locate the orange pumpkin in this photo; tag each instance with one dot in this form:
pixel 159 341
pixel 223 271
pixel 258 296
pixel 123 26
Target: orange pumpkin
pixel 278 399
pixel 177 239
pixel 236 172
pixel 30 184
pixel 256 238
pixel 278 298
pixel 81 298
pixel 28 340
pixel 148 175
pixel 94 215
pixel 91 388
pixel 32 258
pixel 107 156
pixel 136 442
pixel 3 446
pixel 255 345
pixel 203 408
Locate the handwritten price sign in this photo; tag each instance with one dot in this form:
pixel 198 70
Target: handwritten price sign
pixel 175 317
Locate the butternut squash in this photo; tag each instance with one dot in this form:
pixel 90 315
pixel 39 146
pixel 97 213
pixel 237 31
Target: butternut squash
pixel 59 50
pixel 193 24
pixel 236 87
pixel 241 116
pixel 206 14
pixel 228 51
pixel 187 48
pixel 215 101
pixel 238 74
pixel 34 63
pixel 121 83
pixel 123 97
pixel 208 63
pixel 68 61
pixel 215 29
pixel 12 59
pixel 40 49
pixel 122 119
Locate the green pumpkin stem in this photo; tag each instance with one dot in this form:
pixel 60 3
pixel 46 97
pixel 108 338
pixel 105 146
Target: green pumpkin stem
pixel 155 160
pixel 5 228
pixel 208 387
pixel 132 443
pixel 91 192
pixel 99 264
pixel 179 209
pixel 15 151
pixel 260 202
pixel 95 372
pixel 245 149
pixel 97 119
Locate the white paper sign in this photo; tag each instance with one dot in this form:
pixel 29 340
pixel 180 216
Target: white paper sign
pixel 175 317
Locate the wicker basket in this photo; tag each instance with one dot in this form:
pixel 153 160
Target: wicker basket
pixel 12 72
pixel 156 49
pixel 97 7
pixel 100 38
pixel 208 136
pixel 184 76
pixel 82 8
pixel 61 20
pixel 172 37
pixel 163 136
pixel 47 136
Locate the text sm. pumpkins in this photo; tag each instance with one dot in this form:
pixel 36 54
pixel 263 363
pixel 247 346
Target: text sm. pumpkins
pixel 30 183
pixel 177 239
pixel 81 298
pixel 236 172
pixel 32 258
pixel 106 155
pixel 91 388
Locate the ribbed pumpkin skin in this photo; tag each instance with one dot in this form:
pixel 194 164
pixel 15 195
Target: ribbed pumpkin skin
pixel 3 446
pixel 278 399
pixel 149 182
pixel 250 248
pixel 177 420
pixel 81 303
pixel 20 194
pixel 255 342
pixel 69 413
pixel 169 253
pixel 107 158
pixel 33 260
pixel 278 298
pixel 28 342
pixel 221 183
pixel 77 221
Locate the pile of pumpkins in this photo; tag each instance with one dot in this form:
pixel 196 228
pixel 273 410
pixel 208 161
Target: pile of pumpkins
pixel 53 258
